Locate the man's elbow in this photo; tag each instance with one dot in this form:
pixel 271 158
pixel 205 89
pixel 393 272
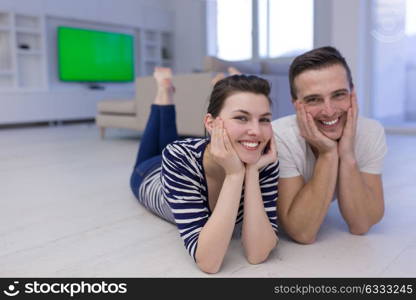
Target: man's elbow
pixel 363 227
pixel 302 235
pixel 359 230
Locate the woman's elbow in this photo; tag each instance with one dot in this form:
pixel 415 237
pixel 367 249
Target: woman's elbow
pixel 209 268
pixel 256 258
pixel 305 239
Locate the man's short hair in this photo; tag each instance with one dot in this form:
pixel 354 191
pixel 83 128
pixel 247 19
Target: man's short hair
pixel 316 59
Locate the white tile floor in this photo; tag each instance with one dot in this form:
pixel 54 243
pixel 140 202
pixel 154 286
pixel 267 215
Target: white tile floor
pixel 66 210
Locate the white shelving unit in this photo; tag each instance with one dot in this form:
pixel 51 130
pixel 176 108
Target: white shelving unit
pixel 22 52
pixel 156 49
pixel 7 78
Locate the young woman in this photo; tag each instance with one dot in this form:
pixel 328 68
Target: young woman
pixel 212 187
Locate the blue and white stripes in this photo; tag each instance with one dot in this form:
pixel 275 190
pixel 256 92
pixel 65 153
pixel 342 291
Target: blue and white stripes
pixel 151 195
pixel 185 189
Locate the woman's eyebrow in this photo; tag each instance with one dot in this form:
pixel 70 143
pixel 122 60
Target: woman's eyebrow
pixel 247 113
pixel 241 111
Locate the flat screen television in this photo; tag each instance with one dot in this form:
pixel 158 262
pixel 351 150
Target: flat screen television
pixel 94 56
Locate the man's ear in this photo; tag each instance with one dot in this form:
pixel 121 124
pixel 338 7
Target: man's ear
pixel 295 102
pixel 209 122
pixel 353 95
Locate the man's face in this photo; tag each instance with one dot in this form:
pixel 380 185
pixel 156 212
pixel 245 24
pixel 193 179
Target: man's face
pixel 326 95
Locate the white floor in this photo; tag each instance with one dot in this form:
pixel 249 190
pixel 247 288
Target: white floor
pixel 66 210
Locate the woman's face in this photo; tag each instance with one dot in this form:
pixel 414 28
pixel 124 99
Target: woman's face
pixel 247 118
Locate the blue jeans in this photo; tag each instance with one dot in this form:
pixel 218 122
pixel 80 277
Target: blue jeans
pixel 159 132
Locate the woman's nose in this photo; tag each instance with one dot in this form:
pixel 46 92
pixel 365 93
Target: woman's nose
pixel 254 129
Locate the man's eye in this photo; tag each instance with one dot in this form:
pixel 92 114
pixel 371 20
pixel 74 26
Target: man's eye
pixel 311 100
pixel 340 95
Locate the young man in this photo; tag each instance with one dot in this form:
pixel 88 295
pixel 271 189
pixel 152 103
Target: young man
pixel 326 151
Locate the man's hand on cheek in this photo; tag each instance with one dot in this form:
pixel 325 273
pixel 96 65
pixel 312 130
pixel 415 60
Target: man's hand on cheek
pixel 347 142
pixel 310 132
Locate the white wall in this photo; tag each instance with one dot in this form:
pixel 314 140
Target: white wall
pixel 139 13
pixel 411 93
pixel 349 25
pixel 322 23
pixel 190 34
pixel 57 103
pixel 389 74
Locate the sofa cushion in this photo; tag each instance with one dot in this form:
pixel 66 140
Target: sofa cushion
pixel 124 107
pixel 214 64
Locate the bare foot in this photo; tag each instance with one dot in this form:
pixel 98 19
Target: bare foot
pixel 233 71
pixel 217 78
pixel 165 88
pixel 162 75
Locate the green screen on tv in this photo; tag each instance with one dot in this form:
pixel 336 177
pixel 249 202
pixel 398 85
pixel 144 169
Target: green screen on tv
pixel 93 56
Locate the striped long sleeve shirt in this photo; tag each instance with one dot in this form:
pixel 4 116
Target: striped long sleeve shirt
pixel 185 189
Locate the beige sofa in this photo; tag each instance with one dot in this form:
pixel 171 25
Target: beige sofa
pixel 191 99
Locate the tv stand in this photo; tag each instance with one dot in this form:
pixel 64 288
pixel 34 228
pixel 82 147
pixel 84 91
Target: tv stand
pixel 96 86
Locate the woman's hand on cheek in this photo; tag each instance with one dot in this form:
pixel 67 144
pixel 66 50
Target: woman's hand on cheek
pixel 223 151
pixel 269 156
